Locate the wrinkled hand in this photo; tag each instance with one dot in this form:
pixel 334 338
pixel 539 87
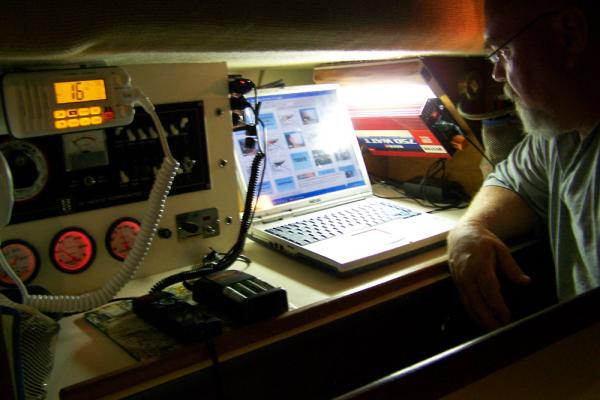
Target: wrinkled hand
pixel 476 256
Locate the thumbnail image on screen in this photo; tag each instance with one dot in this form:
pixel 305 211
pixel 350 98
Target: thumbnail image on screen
pixel 309 146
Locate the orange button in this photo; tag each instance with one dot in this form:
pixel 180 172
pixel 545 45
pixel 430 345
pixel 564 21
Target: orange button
pixel 58 114
pixel 72 112
pixel 459 142
pixel 73 123
pixel 95 110
pixel 85 121
pixel 96 120
pixel 83 111
pixel 62 124
pixel 108 115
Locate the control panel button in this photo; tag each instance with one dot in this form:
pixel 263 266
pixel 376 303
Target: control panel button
pixel 108 114
pixel 89 181
pixel 61 124
pixel 58 114
pixel 83 111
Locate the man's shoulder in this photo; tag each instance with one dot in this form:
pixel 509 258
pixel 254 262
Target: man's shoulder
pixel 535 145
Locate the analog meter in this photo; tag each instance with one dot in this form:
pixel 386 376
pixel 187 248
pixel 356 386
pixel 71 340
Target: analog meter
pixel 120 237
pixel 72 250
pixel 22 258
pixel 29 168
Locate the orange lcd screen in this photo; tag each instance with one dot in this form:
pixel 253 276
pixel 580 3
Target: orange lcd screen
pixel 79 91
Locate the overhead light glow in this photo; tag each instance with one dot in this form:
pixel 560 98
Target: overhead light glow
pixel 385 99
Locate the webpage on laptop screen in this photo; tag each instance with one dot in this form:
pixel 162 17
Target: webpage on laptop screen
pixel 308 145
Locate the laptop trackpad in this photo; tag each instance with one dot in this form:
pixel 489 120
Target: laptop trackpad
pixel 347 248
pixel 373 236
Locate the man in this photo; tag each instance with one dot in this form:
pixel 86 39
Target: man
pixel 547 54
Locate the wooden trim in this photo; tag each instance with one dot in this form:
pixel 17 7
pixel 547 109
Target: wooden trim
pixel 472 361
pixel 396 71
pixel 239 341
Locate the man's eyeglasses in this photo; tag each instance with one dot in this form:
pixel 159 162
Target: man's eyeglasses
pixel 502 50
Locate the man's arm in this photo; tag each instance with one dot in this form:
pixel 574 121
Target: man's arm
pixel 476 252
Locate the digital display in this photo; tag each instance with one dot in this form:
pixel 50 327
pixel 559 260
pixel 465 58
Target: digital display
pixel 78 91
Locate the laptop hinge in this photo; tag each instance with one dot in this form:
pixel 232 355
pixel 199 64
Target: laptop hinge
pixel 309 209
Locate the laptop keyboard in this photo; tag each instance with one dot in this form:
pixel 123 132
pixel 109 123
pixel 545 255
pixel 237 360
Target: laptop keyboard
pixel 337 223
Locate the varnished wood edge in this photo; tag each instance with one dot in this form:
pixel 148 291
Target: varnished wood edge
pixel 230 344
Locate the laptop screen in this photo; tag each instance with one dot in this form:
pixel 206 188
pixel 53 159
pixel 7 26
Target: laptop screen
pixel 309 142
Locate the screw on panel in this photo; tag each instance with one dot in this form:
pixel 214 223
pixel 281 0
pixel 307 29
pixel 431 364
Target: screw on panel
pixel 219 112
pixel 223 163
pixel 228 220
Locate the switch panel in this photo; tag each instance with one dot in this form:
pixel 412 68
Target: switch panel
pixel 57 175
pixel 204 223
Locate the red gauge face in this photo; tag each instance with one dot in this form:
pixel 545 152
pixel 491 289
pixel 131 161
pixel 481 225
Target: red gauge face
pixel 22 258
pixel 72 250
pixel 120 237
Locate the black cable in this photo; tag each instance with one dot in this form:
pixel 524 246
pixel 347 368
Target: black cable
pixel 279 83
pixel 116 299
pixel 216 368
pixel 215 263
pixel 479 150
pixel 432 171
pixel 219 261
pixel 392 197
pixel 437 170
pixel 395 185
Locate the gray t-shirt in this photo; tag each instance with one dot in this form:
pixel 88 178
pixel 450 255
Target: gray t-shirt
pixel 560 179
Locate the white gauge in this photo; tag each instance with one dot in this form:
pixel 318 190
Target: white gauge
pixel 28 166
pixel 85 150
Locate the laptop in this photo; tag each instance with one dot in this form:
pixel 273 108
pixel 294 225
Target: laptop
pixel 316 201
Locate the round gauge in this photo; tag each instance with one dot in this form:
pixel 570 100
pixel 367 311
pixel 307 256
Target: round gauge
pixel 72 250
pixel 121 237
pixel 28 166
pixel 22 258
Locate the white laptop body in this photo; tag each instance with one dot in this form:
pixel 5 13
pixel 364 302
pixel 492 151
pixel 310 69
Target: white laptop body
pixel 313 168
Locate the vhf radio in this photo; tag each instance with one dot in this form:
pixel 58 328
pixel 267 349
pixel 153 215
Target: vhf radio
pixel 54 102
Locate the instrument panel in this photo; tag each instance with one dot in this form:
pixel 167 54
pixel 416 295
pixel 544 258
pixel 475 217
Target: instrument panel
pixel 80 197
pixel 63 174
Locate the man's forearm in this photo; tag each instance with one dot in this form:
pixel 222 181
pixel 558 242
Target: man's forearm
pixel 477 253
pixel 501 211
